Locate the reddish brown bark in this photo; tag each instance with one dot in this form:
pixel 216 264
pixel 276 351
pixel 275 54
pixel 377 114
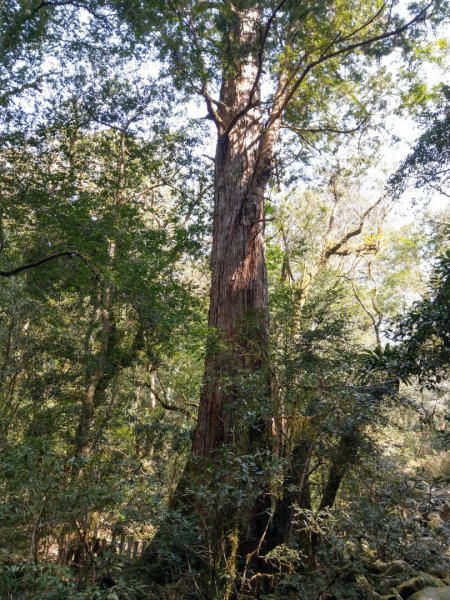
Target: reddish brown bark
pixel 238 297
pixel 238 313
pixel 238 317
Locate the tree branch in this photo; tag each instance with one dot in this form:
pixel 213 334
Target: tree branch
pixel 376 325
pixel 336 248
pixel 203 91
pixel 46 259
pixel 58 3
pixel 325 128
pixel 326 55
pixel 165 402
pixel 21 88
pixel 357 250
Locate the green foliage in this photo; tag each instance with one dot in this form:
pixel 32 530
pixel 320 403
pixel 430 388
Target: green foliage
pixel 48 581
pixel 102 345
pixel 101 173
pixel 424 332
pixel 427 165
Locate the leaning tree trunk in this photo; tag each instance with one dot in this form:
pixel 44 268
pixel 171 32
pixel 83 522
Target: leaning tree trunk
pixel 295 492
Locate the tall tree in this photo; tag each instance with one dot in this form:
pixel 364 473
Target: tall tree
pixel 233 47
pixel 260 67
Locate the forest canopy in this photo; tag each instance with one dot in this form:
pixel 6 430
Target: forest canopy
pixel 224 301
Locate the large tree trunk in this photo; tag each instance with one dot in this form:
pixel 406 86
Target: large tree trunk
pixel 238 313
pixel 225 489
pixel 238 298
pixel 234 411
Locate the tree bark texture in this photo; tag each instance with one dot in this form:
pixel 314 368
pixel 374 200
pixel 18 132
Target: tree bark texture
pixel 237 350
pixel 238 314
pixel 238 297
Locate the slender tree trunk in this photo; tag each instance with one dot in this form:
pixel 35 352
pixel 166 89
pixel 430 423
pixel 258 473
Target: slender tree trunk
pixel 295 491
pixel 99 378
pixel 104 369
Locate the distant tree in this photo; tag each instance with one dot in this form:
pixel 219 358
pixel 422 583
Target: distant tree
pixel 428 165
pixel 424 333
